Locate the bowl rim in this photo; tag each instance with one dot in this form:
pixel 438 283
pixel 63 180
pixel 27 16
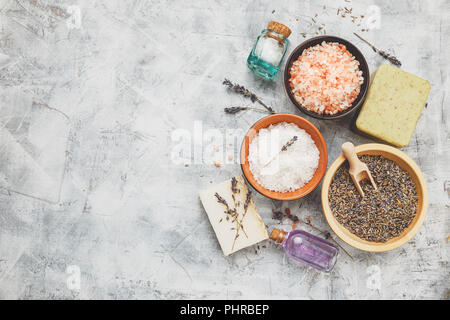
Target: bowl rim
pixel 353 240
pixel 363 66
pixel 266 192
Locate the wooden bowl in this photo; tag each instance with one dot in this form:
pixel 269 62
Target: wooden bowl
pixel 363 66
pixel 302 124
pixel 407 164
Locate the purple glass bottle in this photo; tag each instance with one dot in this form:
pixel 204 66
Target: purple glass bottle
pixel 307 248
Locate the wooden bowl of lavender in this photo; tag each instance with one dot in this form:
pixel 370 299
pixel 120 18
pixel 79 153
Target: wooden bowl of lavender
pixel 386 218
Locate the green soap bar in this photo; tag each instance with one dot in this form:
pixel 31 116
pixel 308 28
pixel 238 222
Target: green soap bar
pixel 393 105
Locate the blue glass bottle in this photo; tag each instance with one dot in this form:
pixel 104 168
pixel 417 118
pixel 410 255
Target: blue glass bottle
pixel 269 50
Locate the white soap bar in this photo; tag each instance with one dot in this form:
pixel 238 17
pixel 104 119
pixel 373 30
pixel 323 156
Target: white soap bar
pixel 235 220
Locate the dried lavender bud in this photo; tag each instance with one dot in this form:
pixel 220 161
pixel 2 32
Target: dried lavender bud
pixel 234 110
pixel 289 143
pixel 246 93
pixel 221 200
pixel 278 215
pixel 234 182
pixel 382 53
pixel 241 90
pixel 283 148
pixel 387 56
pixel 248 199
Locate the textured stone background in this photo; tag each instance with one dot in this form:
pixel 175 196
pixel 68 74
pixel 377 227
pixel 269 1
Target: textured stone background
pixel 91 94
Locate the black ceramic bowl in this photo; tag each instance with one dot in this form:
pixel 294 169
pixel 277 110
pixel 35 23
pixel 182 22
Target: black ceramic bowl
pixel 362 66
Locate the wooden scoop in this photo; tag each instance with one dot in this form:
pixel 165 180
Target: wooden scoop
pixel 358 169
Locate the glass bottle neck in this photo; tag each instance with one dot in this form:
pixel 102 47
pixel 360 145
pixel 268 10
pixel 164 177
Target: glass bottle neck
pixel 275 35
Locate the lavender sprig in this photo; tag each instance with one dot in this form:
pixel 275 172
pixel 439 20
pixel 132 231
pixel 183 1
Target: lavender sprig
pixel 233 214
pixel 234 110
pixel 234 183
pixel 382 53
pixel 246 93
pixel 289 143
pixel 283 148
pixel 221 200
pixel 240 89
pixel 248 199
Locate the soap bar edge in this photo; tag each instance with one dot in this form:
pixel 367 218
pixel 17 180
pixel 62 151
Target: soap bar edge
pixel 367 131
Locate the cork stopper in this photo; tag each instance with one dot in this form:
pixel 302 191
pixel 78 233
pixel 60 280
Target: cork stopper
pixel 279 28
pixel 278 235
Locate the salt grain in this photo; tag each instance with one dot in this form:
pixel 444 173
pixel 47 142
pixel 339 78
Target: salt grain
pixel 283 171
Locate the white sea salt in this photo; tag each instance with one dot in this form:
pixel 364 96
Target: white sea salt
pixel 269 50
pixel 283 171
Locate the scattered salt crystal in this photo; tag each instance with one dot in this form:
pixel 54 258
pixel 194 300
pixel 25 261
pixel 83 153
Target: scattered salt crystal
pixel 283 171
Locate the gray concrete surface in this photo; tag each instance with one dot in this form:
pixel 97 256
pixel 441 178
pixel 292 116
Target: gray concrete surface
pixel 94 202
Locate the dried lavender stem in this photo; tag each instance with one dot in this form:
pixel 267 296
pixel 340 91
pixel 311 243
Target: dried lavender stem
pixel 228 211
pixel 283 148
pixel 382 53
pixel 235 190
pixel 240 226
pixel 265 106
pixel 246 93
pixel 289 143
pixel 247 202
pixel 233 110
